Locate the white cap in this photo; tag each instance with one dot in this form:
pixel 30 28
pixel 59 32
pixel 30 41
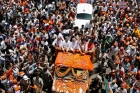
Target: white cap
pixel 11 51
pixel 21 57
pixel 2 54
pixel 16 31
pixel 25 77
pixel 3 21
pixel 46 24
pixel 15 26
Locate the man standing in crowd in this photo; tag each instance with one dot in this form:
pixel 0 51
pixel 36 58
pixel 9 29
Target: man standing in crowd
pixel 39 83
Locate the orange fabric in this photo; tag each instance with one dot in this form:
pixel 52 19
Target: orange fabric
pixel 132 72
pixel 82 1
pixel 35 87
pixel 21 73
pixel 11 77
pixel 90 46
pixel 9 72
pixel 25 3
pixel 50 22
pixel 14 81
pixel 19 40
pixel 74 61
pixel 26 10
pixel 17 88
pixel 45 21
pixel 70 86
pixel 139 72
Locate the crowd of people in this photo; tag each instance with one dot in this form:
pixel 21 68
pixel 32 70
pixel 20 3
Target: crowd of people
pixel 32 30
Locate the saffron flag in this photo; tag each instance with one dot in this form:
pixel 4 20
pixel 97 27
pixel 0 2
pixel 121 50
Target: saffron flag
pixel 82 1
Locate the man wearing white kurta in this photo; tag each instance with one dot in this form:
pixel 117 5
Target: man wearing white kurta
pixel 75 45
pixel 66 44
pixel 58 42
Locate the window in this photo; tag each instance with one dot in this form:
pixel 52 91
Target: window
pixel 84 16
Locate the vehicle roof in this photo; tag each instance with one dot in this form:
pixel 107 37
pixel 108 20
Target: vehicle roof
pixel 74 60
pixel 84 8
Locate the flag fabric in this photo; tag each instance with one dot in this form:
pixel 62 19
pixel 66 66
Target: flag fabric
pixel 82 1
pixel 107 86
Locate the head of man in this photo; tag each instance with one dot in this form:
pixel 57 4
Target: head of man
pixel 83 41
pixel 73 39
pixel 37 76
pixel 59 38
pixel 67 38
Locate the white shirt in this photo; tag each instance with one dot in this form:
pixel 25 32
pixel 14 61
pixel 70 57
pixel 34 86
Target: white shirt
pixel 15 71
pixel 60 34
pixel 67 44
pixel 114 86
pixel 66 31
pixel 4 81
pixel 90 25
pixel 3 45
pixel 121 91
pixel 122 69
pixel 84 47
pixel 75 45
pixel 58 43
pixel 44 43
pixel 46 35
pixel 114 50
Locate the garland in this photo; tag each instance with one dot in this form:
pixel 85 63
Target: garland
pixel 79 77
pixel 60 74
